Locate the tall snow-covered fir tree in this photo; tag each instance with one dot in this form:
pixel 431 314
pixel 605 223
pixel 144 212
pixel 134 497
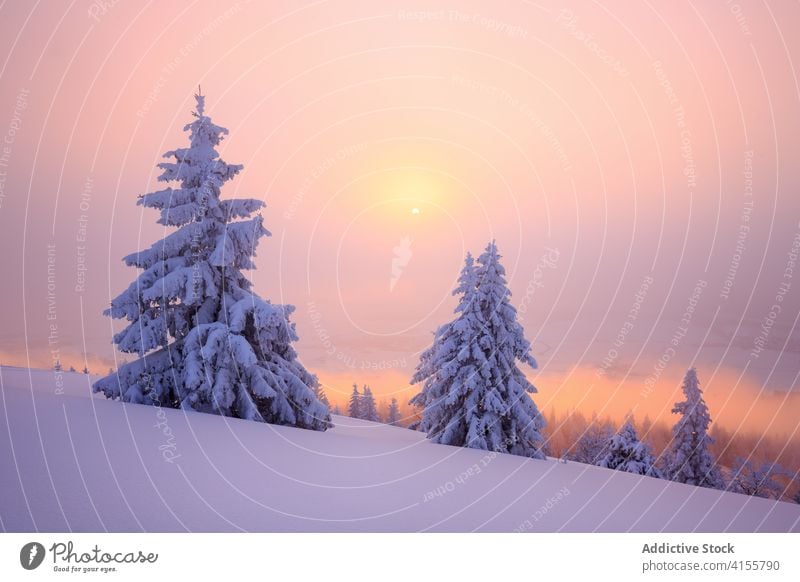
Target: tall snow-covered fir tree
pixel 205 340
pixel 393 413
pixel 689 459
pixel 627 453
pixel 447 342
pixel 473 394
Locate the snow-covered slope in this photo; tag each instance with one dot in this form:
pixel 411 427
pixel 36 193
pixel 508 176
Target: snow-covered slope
pixel 71 462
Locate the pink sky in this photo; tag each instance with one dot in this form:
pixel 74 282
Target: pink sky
pixel 622 156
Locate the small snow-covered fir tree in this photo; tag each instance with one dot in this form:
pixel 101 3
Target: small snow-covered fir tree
pixel 592 446
pixel 321 396
pixel 354 408
pixel 689 459
pixel 757 480
pixel 393 414
pixel 205 340
pixel 57 366
pixel 369 410
pixel 473 393
pixel 627 453
pixel 646 426
pixel 85 370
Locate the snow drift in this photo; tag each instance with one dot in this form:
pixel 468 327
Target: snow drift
pixel 75 462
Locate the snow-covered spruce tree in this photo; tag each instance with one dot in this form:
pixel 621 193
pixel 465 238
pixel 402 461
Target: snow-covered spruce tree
pixel 473 393
pixel 354 408
pixel 205 340
pixel 393 414
pixel 369 410
pixel 689 459
pixel 627 453
pixel 448 340
pixel 445 337
pixel 592 446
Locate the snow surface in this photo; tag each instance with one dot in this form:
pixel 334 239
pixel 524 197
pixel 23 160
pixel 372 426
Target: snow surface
pixel 71 461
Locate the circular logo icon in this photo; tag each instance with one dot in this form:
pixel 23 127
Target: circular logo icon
pixel 31 555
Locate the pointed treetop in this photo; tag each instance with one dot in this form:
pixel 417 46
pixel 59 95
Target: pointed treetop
pixel 201 102
pixel 467 277
pixel 691 389
pixel 489 261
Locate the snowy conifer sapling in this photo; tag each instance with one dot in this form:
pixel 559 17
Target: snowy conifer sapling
pixel 762 479
pixel 369 410
pixel 205 340
pixel 592 446
pixel 473 394
pixel 354 407
pixel 627 453
pixel 393 414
